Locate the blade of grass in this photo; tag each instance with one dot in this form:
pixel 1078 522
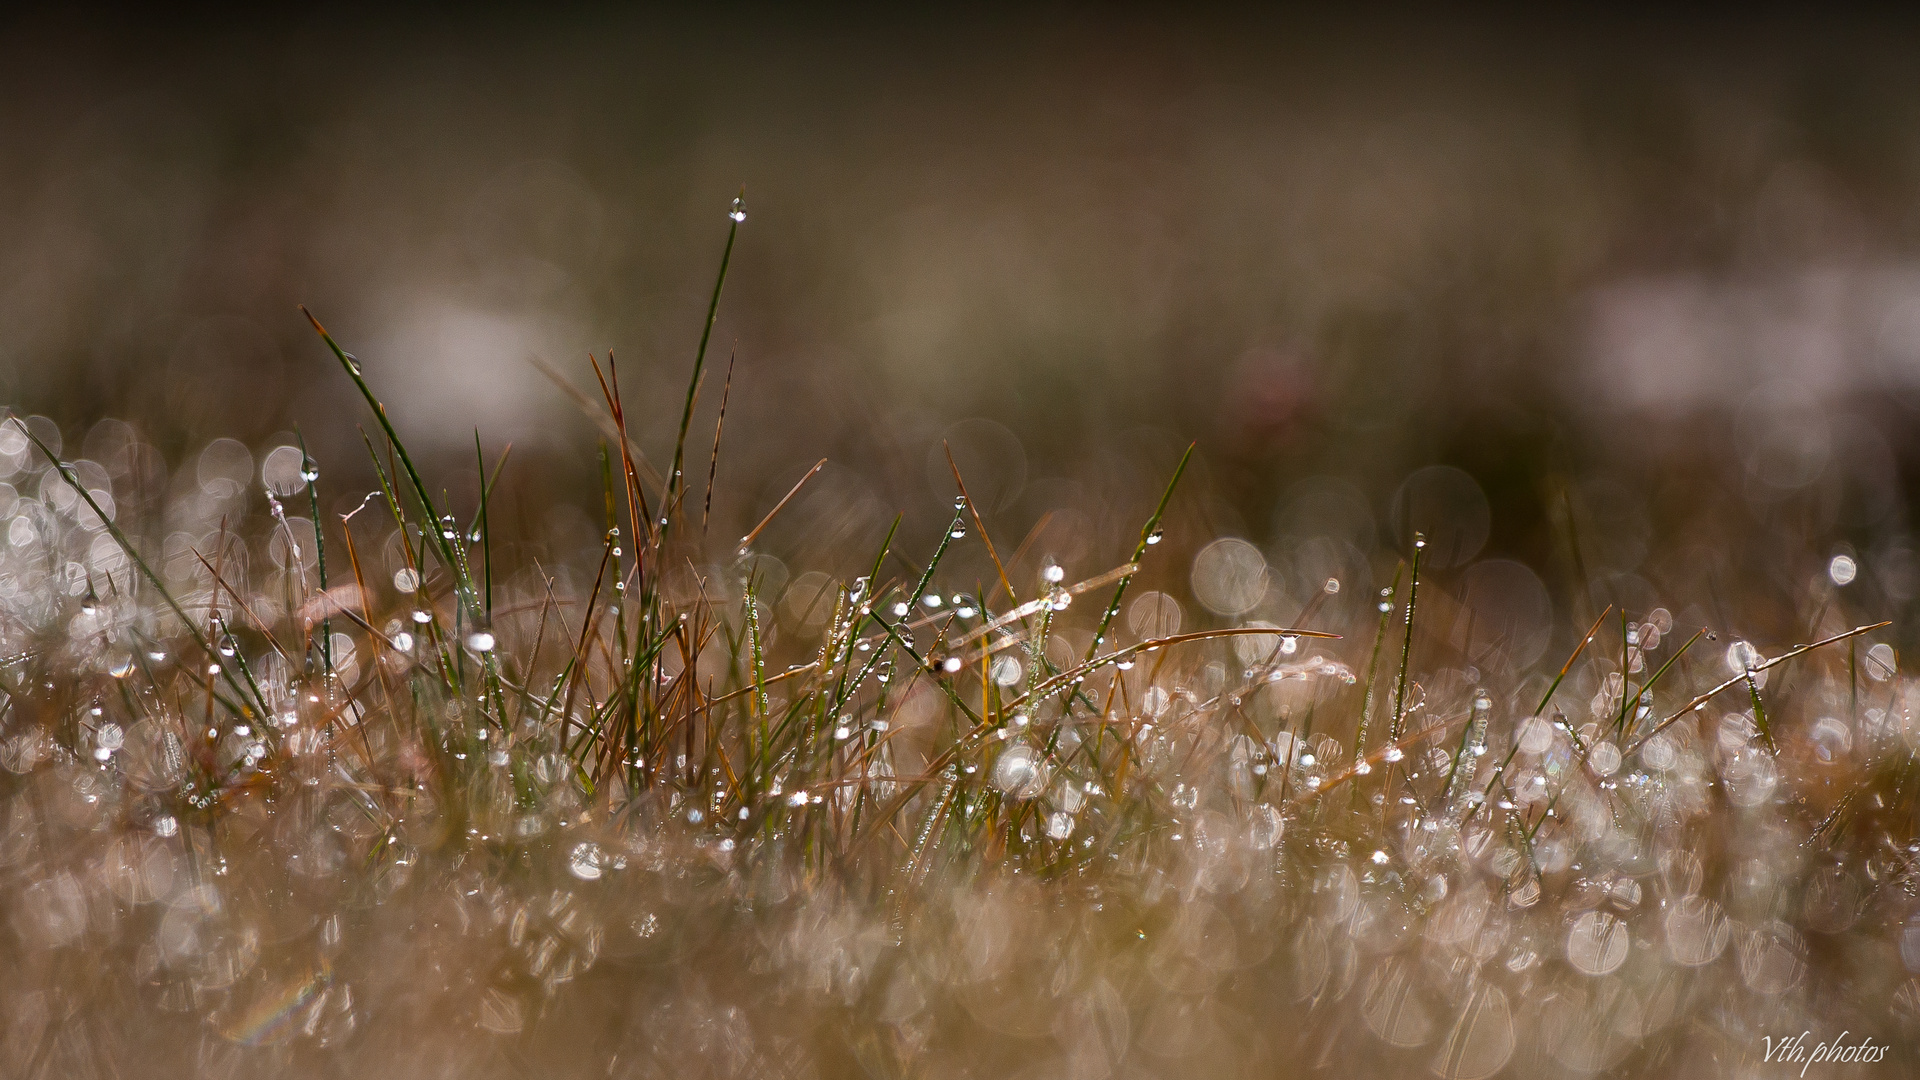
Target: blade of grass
pixel 713 462
pixel 449 672
pixel 1406 643
pixel 601 420
pixel 1149 536
pixel 1500 772
pixel 146 571
pixel 674 484
pixel 1627 717
pixel 1802 650
pixel 980 526
pixel 311 475
pixel 747 540
pixel 1373 662
pixel 432 529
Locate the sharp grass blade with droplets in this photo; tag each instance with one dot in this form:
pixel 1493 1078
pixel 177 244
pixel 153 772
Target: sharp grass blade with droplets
pixel 435 535
pixel 1744 676
pixel 735 217
pixel 1149 535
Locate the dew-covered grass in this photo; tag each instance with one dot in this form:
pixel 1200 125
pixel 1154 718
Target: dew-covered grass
pixel 383 798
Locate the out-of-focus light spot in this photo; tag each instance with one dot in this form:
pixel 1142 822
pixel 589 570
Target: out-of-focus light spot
pixel 1842 570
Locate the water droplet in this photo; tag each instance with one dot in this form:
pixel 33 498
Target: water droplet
pixel 739 211
pixel 480 641
pixel 1156 536
pixel 1267 826
pixel 1604 759
pixel 406 579
pixel 1880 662
pixel 1697 930
pixel 958 531
pixel 422 616
pixel 1055 573
pixel 1597 943
pixel 1842 570
pixel 1536 735
pixel 1772 959
pixel 586 861
pixel 1019 772
pixel 1831 739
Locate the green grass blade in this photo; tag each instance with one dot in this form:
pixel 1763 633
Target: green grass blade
pixel 1149 535
pixel 432 529
pixel 675 482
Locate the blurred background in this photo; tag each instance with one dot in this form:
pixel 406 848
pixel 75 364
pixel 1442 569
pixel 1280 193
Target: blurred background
pixel 1625 303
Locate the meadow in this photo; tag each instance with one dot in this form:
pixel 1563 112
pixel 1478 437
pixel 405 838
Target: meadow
pixel 298 791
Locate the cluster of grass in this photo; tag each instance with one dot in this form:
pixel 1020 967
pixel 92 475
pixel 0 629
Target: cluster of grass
pixel 400 805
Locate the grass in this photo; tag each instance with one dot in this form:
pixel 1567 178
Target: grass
pixel 443 813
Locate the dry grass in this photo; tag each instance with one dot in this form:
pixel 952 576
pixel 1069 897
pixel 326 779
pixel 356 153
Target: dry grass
pixel 378 799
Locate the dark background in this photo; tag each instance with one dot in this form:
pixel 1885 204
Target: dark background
pixel 1649 281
